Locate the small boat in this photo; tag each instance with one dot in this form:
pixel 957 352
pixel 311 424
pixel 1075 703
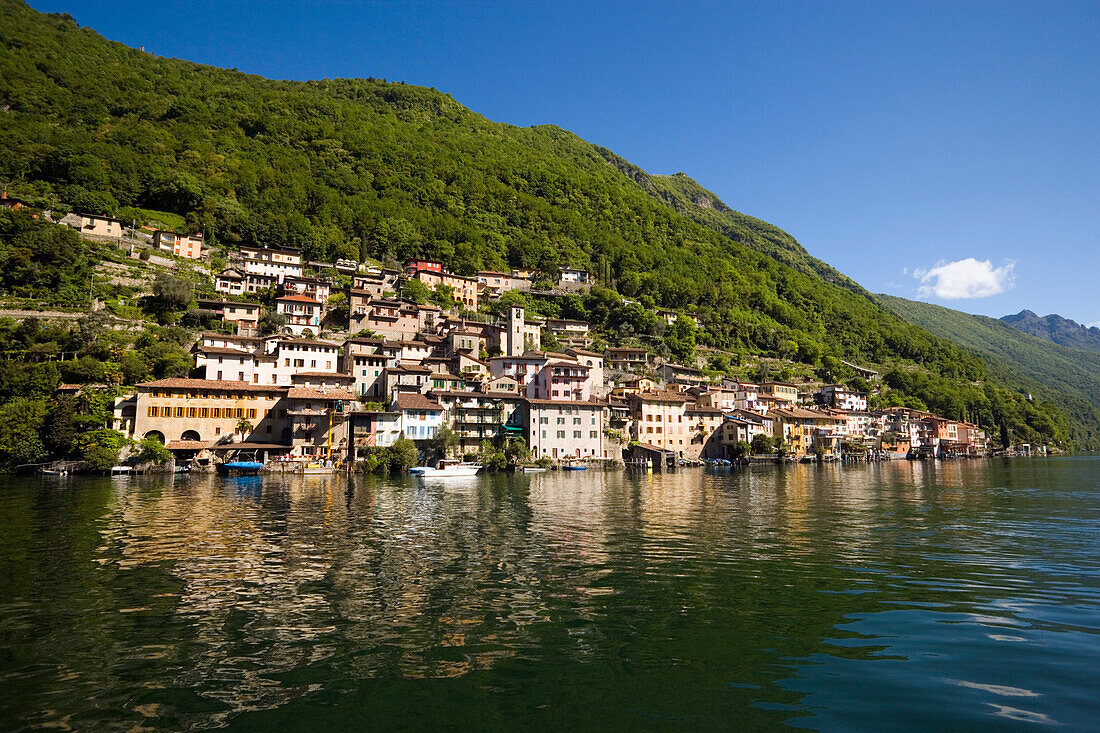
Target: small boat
pixel 574 468
pixel 121 470
pixel 532 469
pixel 53 472
pixel 446 469
pixel 239 468
pixel 317 469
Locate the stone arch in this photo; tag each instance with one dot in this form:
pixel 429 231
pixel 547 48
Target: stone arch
pixel 156 435
pixel 190 435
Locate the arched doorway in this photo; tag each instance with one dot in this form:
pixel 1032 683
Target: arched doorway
pixel 190 435
pixel 156 435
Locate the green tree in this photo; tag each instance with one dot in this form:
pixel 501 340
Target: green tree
pixel 152 450
pixel 416 291
pixel 171 293
pixel 761 444
pixel 444 441
pixel 403 454
pixel 21 423
pixel 516 451
pixel 680 338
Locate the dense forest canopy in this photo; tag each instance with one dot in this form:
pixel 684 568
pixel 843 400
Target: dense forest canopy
pixel 368 168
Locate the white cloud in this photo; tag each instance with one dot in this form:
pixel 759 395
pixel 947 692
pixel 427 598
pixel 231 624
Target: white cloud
pixel 969 278
pixel 1094 324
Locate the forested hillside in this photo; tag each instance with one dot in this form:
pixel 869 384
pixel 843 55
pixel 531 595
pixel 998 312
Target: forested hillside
pixel 363 167
pixel 1048 371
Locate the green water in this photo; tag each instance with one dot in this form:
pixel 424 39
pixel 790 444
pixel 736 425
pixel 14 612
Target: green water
pixel 950 596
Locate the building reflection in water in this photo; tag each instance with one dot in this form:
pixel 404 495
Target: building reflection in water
pixel 368 577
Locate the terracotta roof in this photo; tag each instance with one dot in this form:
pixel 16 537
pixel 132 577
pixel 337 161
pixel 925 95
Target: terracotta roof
pixel 307 342
pixel 662 397
pixel 214 301
pixel 186 444
pixel 414 401
pixel 250 446
pixel 330 375
pixel 299 299
pixel 409 368
pixel 579 403
pixel 568 363
pixel 584 352
pixel 315 393
pixel 798 412
pixel 487 395
pixel 223 350
pixel 209 384
pixel 229 337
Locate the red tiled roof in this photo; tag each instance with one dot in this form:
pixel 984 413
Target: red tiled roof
pixel 209 384
pixel 414 401
pixel 299 299
pixel 315 393
pixel 186 444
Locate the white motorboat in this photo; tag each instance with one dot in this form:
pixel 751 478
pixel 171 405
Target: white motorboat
pixel 446 469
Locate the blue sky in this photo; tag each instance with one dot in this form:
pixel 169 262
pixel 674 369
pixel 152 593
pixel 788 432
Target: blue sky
pixel 906 144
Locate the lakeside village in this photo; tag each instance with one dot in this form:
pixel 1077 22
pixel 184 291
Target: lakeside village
pixel 408 371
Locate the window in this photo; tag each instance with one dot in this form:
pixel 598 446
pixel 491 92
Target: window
pixel 179 412
pixel 204 412
pixel 561 433
pixel 544 420
pixel 591 433
pixel 576 433
pixel 576 421
pixel 216 412
pixel 192 412
pixel 153 411
pixel 561 421
pixel 217 431
pixel 252 413
pixel 544 433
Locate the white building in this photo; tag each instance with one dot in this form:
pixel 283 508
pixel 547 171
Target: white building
pixel 302 312
pixel 421 417
pixel 277 263
pixel 559 430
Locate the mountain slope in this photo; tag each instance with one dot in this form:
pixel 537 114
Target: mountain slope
pixel 688 197
pixel 1061 331
pixel 1047 370
pixel 362 167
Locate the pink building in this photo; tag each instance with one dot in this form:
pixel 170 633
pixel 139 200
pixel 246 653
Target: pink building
pixel 562 380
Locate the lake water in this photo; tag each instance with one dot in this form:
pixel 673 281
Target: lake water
pixel 903 596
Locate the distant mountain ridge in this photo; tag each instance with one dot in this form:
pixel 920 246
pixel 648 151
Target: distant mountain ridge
pixel 1070 377
pixel 1054 328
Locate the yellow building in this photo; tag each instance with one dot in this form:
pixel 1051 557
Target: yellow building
pixel 660 420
